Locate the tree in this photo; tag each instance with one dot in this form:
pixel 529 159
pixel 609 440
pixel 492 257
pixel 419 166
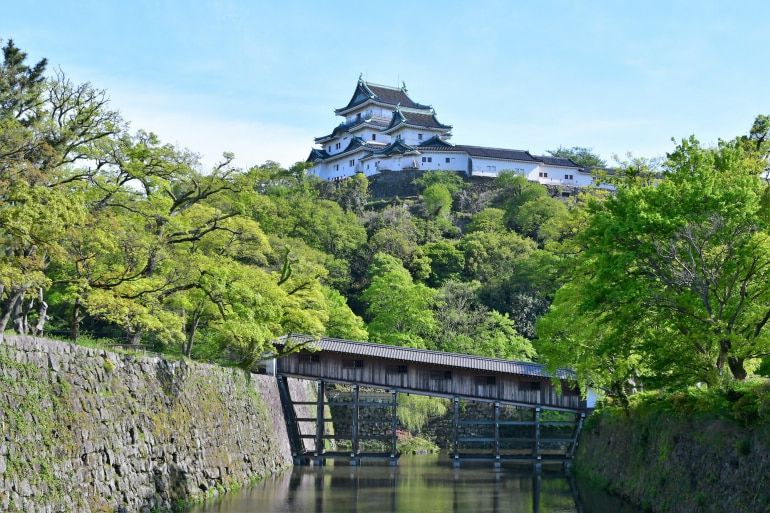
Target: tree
pixel 678 274
pixel 47 129
pixel 438 201
pixel 399 310
pixel 583 157
pixel 453 182
pixel 466 326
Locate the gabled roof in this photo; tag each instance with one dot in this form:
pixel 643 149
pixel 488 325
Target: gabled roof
pixel 348 127
pixel 408 354
pixel 397 146
pixel 355 143
pixel 366 91
pixel 316 154
pixel 498 153
pixel 436 142
pixel 414 119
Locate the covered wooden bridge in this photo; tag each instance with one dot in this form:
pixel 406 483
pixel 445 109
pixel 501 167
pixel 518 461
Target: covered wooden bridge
pixel 530 419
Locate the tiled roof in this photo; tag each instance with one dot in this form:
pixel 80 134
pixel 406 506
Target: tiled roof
pixel 384 94
pixel 397 146
pixel 436 142
pixel 316 154
pixel 497 153
pixel 408 354
pixel 347 127
pixel 415 119
pixel 556 161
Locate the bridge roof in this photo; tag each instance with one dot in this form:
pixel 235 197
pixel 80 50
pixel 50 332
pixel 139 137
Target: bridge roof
pixel 424 356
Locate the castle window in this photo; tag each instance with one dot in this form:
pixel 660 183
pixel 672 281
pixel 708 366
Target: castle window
pixel 352 163
pixel 330 147
pixel 337 146
pixel 374 137
pixel 425 159
pixel 336 167
pixel 430 159
pixel 447 160
pixel 419 137
pixel 352 364
pixel 568 177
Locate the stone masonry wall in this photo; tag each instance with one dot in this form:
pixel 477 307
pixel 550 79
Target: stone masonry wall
pixel 88 430
pixel 677 465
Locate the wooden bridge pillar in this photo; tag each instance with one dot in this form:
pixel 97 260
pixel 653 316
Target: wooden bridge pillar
pixel 497 435
pixel 393 425
pixel 457 433
pixel 354 451
pixel 537 461
pixel 319 428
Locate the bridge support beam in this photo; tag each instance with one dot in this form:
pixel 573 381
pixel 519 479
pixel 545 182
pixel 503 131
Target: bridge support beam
pixel 393 425
pixel 457 433
pixel 319 427
pixel 537 464
pixel 497 435
pixel 573 446
pixel 354 451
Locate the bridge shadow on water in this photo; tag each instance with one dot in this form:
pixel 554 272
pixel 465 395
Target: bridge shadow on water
pixel 419 484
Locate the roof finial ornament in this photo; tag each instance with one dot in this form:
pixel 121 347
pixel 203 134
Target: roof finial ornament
pixel 360 77
pixel 403 86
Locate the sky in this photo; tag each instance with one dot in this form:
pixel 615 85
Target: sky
pixel 261 78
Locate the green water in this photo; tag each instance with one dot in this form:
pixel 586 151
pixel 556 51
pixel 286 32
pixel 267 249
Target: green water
pixel 419 484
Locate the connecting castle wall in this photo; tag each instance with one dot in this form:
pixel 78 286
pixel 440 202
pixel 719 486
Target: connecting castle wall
pixel 88 430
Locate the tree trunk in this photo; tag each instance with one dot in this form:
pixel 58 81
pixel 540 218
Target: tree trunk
pixel 17 313
pixel 187 349
pixel 7 311
pixel 134 337
pixel 736 367
pixel 76 319
pixel 42 314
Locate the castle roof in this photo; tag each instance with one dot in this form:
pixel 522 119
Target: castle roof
pixel 437 142
pixel 498 153
pixel 397 146
pixel 348 127
pixel 414 119
pixel 366 91
pixel 316 154
pixel 556 161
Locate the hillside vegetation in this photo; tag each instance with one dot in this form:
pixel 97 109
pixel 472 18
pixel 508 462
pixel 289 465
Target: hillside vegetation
pixel 113 234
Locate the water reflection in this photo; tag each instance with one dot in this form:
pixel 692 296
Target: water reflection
pixel 420 484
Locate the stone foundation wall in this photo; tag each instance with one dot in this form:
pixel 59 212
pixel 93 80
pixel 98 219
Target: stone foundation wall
pixel 88 430
pixel 671 464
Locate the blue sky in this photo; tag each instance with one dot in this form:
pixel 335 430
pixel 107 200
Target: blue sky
pixel 262 78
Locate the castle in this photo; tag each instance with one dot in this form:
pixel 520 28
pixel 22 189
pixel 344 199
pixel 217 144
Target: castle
pixel 385 130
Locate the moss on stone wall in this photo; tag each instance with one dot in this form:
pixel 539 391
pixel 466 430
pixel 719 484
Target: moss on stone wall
pixel 87 430
pixel 666 463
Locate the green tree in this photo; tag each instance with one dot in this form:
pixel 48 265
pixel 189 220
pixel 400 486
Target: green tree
pixel 453 182
pixel 679 271
pixel 399 310
pixel 437 201
pixel 583 157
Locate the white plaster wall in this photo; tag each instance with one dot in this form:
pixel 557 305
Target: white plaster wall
pixel 558 175
pixel 480 167
pixel 457 161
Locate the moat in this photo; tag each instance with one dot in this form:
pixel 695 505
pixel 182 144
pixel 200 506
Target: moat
pixel 422 484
